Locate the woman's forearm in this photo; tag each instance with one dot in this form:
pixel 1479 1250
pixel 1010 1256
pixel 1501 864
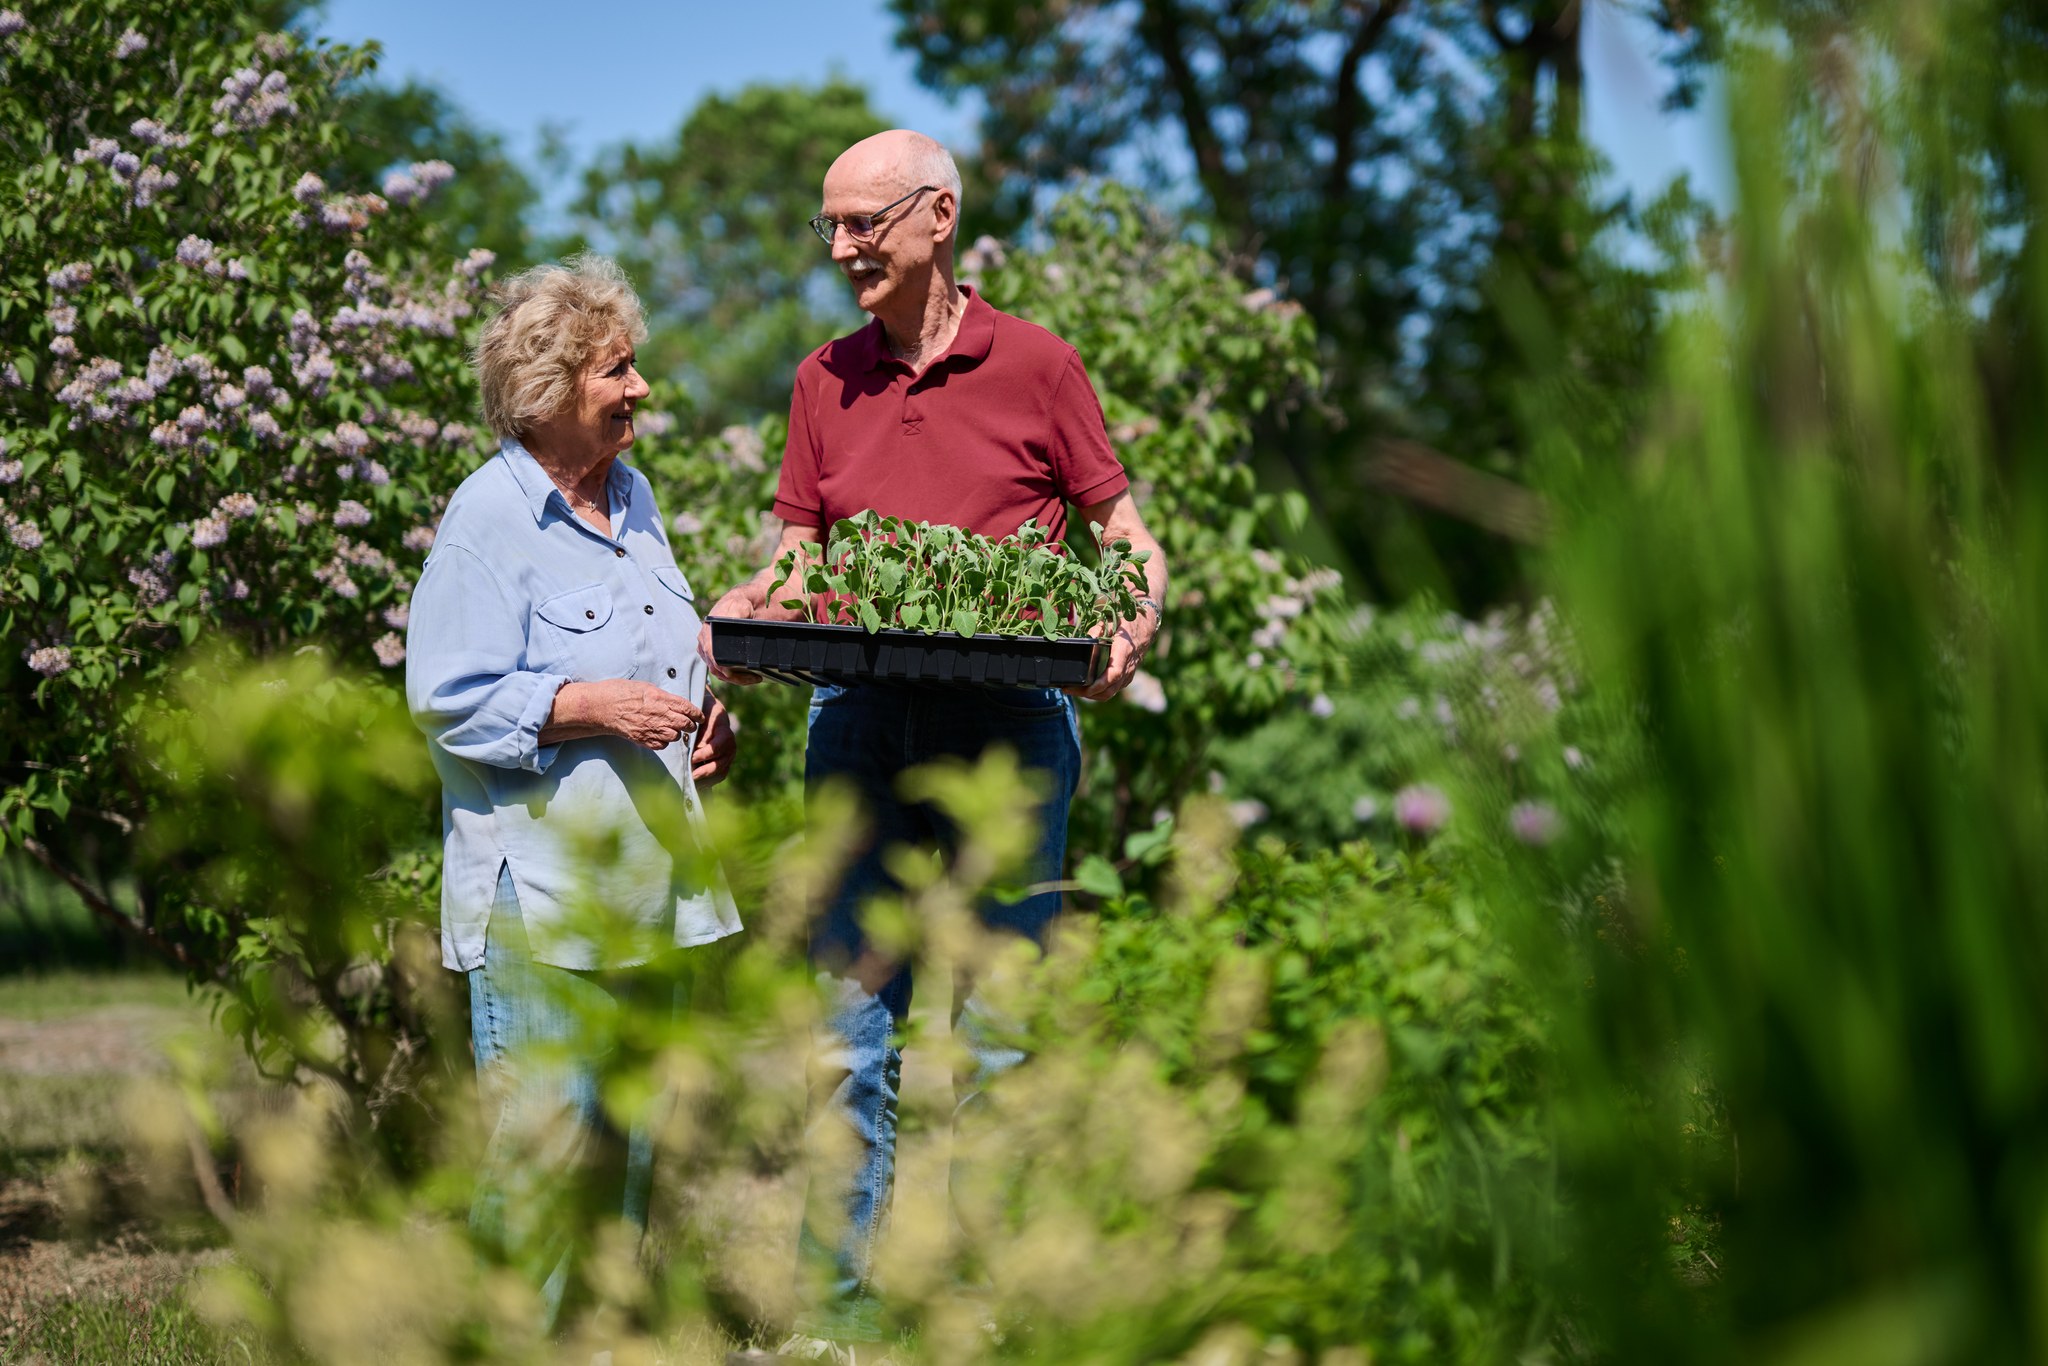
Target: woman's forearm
pixel 575 715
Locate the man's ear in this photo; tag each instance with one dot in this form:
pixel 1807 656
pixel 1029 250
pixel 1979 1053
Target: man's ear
pixel 945 216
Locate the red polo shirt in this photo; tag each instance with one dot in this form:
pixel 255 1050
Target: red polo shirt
pixel 1002 428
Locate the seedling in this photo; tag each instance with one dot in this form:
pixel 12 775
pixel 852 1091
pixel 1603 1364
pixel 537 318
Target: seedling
pixel 880 572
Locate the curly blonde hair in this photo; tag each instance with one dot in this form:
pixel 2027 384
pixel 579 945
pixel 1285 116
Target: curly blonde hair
pixel 551 322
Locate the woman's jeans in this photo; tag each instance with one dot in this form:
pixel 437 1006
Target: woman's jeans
pixel 868 736
pixel 556 1165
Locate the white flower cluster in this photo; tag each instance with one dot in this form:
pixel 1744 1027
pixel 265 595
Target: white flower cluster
pixel 389 649
pixel 419 539
pixel 12 21
pixel 417 181
pixel 478 261
pixel 48 660
pixel 26 535
pixel 250 99
pixel 128 44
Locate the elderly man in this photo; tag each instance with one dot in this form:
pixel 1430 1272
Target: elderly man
pixel 942 409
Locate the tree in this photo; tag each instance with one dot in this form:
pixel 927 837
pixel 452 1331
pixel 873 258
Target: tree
pixel 713 226
pixel 1404 168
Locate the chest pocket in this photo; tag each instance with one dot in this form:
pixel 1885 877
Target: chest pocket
pixel 572 638
pixel 672 579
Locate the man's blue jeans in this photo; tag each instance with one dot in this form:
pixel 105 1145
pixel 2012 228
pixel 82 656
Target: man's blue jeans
pixel 867 736
pixel 543 1037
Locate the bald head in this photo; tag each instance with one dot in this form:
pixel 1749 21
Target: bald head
pixel 890 165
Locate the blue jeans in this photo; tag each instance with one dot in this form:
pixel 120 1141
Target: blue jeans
pixel 544 1037
pixel 868 736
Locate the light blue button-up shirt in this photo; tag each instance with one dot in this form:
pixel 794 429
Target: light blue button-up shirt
pixel 518 597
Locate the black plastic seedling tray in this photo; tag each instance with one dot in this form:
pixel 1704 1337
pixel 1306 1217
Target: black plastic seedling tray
pixel 805 653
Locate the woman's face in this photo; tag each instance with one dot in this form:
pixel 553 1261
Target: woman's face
pixel 599 418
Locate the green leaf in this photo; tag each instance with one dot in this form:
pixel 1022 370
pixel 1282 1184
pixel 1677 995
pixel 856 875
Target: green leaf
pixel 869 617
pixel 166 485
pixel 966 621
pixel 1097 876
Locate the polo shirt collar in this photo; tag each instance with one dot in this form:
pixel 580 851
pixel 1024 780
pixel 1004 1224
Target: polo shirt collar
pixel 535 486
pixel 977 332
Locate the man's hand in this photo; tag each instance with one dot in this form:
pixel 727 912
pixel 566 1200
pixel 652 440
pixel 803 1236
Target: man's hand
pixel 640 712
pixel 711 760
pixel 734 604
pixel 1130 642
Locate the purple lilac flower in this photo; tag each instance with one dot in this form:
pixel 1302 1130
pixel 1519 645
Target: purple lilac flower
pixel 390 650
pixel 195 251
pixel 66 278
pixel 63 348
pixel 476 263
pixel 128 44
pixel 12 21
pixel 125 165
pixel 238 269
pixel 10 471
pixel 170 436
pixel 372 472
pixel 150 588
pixel 456 434
pixel 1421 809
pixel 334 575
pixel 209 532
pixel 256 379
pixel 238 590
pixel 419 539
pixel 398 617
pixel 239 506
pixel 200 366
pixel 10 378
pixel 315 373
pixel 350 440
pixel 1247 813
pixel 63 318
pixel 25 535
pixel 1573 757
pixel 264 427
pixel 227 398
pixel 1364 809
pixel 1146 693
pixel 151 183
pixel 351 513
pixel 194 420
pixel 102 150
pixel 309 189
pixel 686 524
pixel 156 135
pixel 418 428
pixel 304 330
pixel 1535 823
pixel 1321 707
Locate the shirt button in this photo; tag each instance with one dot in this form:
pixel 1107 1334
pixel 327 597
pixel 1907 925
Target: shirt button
pixel 671 673
pixel 648 609
pixel 620 553
pixel 590 616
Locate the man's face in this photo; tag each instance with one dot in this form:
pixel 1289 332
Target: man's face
pixel 894 262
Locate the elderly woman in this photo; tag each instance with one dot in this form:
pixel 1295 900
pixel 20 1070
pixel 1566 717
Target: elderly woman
pixel 551 661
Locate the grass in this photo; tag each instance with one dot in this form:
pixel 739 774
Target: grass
pixel 73 991
pixel 131 1331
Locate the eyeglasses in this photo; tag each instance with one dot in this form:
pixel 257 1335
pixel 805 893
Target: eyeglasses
pixel 860 226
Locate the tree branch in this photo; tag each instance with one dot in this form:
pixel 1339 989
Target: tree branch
pixel 106 910
pixel 1347 101
pixel 1166 25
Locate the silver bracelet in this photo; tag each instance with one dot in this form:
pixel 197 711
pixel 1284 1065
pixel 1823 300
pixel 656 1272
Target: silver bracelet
pixel 1157 613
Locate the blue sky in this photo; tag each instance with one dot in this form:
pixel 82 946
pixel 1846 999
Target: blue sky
pixel 632 69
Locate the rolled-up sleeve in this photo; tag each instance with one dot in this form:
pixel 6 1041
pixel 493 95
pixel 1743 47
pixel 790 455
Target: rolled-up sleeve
pixel 464 648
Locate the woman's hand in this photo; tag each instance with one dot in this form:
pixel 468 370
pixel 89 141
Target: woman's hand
pixel 711 760
pixel 640 712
